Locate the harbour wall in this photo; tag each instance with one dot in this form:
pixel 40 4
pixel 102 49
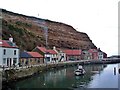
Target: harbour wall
pixel 13 75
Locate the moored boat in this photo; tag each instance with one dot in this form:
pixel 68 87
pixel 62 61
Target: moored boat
pixel 79 71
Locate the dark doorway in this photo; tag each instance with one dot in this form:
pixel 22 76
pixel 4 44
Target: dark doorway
pixel 10 62
pixel 7 61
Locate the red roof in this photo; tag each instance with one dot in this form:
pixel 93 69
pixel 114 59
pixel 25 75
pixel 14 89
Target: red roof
pixel 35 54
pixel 5 43
pixel 92 50
pixel 51 52
pixel 43 49
pixel 73 52
pixel 59 49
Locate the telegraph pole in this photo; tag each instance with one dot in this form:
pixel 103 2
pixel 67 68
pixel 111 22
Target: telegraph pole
pixel 46 35
pixel 42 24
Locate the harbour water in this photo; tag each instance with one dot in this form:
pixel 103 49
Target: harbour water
pixel 97 76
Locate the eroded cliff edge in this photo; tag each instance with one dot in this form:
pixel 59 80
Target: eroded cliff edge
pixel 29 32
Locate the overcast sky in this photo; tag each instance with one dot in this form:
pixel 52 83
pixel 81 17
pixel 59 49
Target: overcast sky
pixel 97 18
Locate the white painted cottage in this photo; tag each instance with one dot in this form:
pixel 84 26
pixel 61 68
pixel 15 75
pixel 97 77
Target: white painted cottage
pixel 9 53
pixel 50 56
pixel 60 54
pixel 100 54
pixel 53 56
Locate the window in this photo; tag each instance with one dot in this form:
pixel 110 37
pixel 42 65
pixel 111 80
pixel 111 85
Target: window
pixel 4 51
pixel 30 60
pixel 14 52
pixel 35 59
pixel 14 60
pixel 26 62
pixel 38 61
pixel 4 60
pixel 47 59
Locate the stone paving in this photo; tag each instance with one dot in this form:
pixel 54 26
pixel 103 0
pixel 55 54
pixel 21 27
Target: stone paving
pixel 0 69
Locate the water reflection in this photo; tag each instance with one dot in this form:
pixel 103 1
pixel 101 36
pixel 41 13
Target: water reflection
pixel 119 70
pixel 65 78
pixel 106 79
pixel 114 70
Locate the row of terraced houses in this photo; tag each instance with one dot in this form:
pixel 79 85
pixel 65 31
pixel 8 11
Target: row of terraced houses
pixel 12 56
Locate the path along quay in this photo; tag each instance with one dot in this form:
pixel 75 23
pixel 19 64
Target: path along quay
pixel 13 75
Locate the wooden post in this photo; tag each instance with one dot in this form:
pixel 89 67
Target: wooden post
pixel 114 70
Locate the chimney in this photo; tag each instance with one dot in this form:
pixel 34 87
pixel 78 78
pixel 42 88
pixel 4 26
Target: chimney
pixel 98 48
pixel 54 48
pixel 0 42
pixel 11 38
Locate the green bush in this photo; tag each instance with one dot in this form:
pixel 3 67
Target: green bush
pixel 23 24
pixel 18 22
pixel 16 29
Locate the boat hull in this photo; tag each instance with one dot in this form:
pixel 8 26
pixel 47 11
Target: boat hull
pixel 79 72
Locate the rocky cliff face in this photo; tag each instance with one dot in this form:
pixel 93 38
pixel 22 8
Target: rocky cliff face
pixel 28 32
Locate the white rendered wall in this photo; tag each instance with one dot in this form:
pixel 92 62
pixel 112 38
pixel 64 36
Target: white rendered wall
pixel 9 54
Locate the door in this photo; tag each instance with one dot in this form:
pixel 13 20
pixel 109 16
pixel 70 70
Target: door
pixel 7 61
pixel 10 62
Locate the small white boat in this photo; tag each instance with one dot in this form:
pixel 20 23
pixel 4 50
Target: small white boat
pixel 79 71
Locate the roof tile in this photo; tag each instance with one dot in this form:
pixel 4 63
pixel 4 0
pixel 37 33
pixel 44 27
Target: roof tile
pixel 35 54
pixel 73 52
pixel 8 44
pixel 51 52
pixel 43 49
